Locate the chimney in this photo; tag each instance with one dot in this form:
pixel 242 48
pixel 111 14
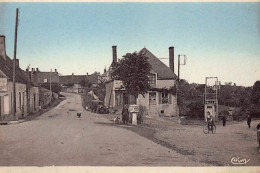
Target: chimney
pixel 37 69
pixel 32 69
pixel 55 70
pixel 114 54
pixel 171 58
pixel 2 46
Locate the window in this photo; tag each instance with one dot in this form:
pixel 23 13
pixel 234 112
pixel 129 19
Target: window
pixel 152 79
pixel 45 80
pixel 152 98
pixel 164 98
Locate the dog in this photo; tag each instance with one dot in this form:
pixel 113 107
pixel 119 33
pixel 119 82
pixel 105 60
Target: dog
pixel 79 115
pixel 117 120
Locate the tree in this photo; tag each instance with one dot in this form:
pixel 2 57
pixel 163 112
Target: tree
pixel 55 87
pixel 85 83
pixel 255 96
pixel 133 70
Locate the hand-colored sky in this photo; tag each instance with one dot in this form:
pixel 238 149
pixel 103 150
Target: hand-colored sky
pixel 219 39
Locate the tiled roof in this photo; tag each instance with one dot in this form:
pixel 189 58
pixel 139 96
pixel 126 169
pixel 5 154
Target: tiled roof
pixel 163 71
pixel 6 66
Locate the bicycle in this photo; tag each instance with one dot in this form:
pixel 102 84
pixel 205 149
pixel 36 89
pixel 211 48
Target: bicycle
pixel 207 128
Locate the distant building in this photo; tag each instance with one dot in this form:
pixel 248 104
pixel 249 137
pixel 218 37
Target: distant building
pixel 38 77
pixel 27 95
pixel 76 83
pixel 159 100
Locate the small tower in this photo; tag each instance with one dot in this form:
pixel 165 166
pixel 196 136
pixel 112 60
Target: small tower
pixel 211 97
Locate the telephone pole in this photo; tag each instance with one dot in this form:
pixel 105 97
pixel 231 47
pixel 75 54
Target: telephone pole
pixel 14 64
pixel 50 83
pixel 179 64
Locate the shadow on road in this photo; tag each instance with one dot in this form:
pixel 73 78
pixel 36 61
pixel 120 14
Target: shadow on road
pixel 149 133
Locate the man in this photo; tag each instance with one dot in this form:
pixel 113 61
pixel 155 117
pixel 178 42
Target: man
pixel 224 119
pixel 248 119
pixel 210 120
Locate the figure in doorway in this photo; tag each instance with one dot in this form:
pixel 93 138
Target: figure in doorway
pixel 125 114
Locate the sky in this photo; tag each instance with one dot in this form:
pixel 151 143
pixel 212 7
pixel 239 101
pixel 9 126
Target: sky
pixel 219 39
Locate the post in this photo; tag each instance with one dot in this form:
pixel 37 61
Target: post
pixel 14 64
pixel 50 83
pixel 178 67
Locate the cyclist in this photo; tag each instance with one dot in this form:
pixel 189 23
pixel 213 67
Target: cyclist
pixel 210 121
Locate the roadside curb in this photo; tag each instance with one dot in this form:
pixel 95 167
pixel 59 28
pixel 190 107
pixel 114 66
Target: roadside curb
pixel 11 122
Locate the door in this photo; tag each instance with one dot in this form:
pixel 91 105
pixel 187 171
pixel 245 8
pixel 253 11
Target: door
pixel 152 104
pixel 125 99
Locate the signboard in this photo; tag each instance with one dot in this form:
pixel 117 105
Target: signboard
pixel 3 84
pixel 133 108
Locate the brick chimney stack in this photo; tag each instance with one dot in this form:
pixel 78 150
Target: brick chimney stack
pixel 2 46
pixel 171 58
pixel 114 54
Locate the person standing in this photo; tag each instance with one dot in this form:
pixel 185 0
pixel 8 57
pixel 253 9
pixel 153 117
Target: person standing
pixel 248 119
pixel 125 114
pixel 224 119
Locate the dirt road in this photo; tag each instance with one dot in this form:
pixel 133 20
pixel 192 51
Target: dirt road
pixel 59 138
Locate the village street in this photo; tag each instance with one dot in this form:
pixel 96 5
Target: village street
pixel 59 138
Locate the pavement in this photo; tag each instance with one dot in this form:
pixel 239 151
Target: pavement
pixel 58 137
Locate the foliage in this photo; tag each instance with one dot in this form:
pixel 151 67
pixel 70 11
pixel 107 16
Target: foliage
pixel 255 96
pixel 141 114
pixel 55 87
pixel 190 99
pixel 85 83
pixel 133 70
pixel 100 91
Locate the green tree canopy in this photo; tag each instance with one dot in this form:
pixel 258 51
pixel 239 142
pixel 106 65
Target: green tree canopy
pixel 255 96
pixel 133 70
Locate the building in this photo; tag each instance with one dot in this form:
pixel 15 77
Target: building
pixel 159 100
pixel 27 95
pixel 39 77
pixel 76 83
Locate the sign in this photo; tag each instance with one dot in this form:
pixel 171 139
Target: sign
pixel 133 108
pixel 3 84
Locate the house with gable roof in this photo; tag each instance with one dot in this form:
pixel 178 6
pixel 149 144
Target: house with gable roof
pixel 159 100
pixel 27 94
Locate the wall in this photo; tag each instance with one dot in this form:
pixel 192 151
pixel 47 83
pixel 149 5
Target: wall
pixel 45 97
pixel 155 109
pixel 110 94
pixel 34 99
pixel 21 101
pixel 165 83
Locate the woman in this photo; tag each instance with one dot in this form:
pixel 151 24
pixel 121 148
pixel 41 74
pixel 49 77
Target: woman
pixel 125 114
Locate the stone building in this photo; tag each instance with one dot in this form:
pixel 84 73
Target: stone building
pixel 39 77
pixel 27 95
pixel 159 100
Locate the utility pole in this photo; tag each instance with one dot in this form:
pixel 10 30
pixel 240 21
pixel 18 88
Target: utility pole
pixel 14 64
pixel 50 83
pixel 179 64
